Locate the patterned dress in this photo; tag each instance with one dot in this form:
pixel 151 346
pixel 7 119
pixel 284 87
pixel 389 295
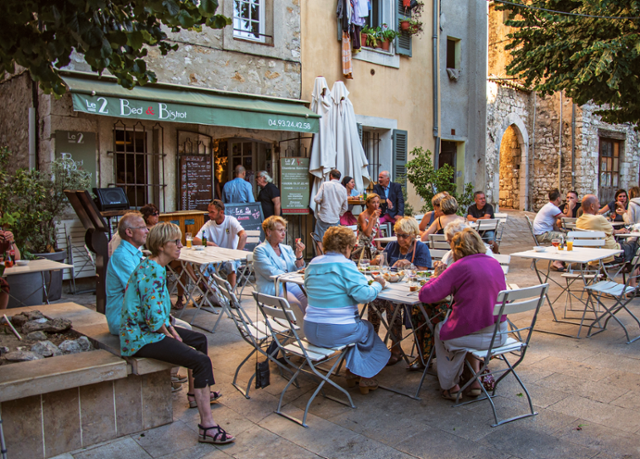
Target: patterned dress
pixel 146 307
pixel 368 242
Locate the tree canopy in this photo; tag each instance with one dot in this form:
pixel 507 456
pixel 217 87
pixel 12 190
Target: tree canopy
pixel 591 58
pixel 112 35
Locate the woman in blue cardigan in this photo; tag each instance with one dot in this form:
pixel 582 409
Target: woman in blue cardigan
pixel 335 287
pixel 272 257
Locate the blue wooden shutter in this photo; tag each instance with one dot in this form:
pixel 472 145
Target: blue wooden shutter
pixel 360 131
pixel 403 42
pixel 399 157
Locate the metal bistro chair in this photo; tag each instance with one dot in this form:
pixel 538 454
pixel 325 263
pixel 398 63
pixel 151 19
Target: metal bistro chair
pixel 277 309
pixel 491 224
pixel 569 223
pixel 317 244
pixel 535 239
pixel 437 254
pixel 617 292
pixel 245 271
pixel 438 241
pixel 254 333
pixel 508 302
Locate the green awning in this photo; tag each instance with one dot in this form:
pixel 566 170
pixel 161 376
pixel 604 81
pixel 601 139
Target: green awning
pixel 187 104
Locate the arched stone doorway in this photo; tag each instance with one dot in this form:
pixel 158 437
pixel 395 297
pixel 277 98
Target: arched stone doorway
pixel 512 174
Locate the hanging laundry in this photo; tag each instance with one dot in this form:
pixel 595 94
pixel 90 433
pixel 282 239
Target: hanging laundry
pixel 347 68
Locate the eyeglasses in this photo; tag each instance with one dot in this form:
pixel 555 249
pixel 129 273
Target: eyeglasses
pixel 403 236
pixel 175 241
pixel 138 227
pixel 155 214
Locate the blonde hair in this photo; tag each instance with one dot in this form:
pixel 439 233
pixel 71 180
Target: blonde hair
pixel 160 234
pixel 449 205
pixel 127 222
pixel 338 239
pixel 270 223
pixel 467 242
pixel 634 192
pixel 407 225
pixel 437 198
pixel 371 197
pixel 454 228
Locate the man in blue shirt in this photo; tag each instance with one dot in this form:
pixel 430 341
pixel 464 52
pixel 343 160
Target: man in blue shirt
pixel 238 189
pixel 133 232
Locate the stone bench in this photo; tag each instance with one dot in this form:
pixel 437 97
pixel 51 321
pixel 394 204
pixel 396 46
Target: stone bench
pixel 64 403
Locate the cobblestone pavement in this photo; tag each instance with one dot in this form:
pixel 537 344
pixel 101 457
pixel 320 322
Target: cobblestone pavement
pixel 586 392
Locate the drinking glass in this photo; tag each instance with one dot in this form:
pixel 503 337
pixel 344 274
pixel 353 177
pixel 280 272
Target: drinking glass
pixel 364 265
pixel 555 243
pixel 384 264
pixel 569 244
pixel 189 238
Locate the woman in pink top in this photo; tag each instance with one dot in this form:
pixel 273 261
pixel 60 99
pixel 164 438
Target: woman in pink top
pixel 474 280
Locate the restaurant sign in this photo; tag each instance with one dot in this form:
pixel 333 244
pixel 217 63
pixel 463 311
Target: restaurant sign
pixel 294 185
pixel 192 114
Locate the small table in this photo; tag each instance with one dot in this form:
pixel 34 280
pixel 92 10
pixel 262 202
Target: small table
pixel 632 234
pixel 198 259
pixel 387 239
pixel 579 255
pixel 36 266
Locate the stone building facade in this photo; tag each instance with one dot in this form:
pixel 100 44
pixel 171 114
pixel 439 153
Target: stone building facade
pixel 530 151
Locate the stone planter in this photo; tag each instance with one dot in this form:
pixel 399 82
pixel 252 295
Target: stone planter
pixel 54 283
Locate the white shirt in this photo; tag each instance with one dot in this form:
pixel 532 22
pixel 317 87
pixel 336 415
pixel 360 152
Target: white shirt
pixel 332 198
pixel 546 218
pixel 224 235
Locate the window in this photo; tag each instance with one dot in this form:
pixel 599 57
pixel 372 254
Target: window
pixel 249 20
pixel 375 18
pixel 139 163
pixel 609 177
pixel 451 53
pixel 371 146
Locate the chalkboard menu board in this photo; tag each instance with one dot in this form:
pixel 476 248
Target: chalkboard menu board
pixel 294 185
pixel 249 214
pixel 196 181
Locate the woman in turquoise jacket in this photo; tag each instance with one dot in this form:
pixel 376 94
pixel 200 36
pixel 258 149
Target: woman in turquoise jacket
pixel 334 288
pixel 272 257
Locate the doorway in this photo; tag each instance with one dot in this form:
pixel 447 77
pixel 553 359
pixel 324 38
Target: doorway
pixel 510 155
pixel 253 155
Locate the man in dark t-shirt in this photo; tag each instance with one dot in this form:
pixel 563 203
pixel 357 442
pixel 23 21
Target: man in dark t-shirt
pixel 269 196
pixel 481 211
pixel 571 206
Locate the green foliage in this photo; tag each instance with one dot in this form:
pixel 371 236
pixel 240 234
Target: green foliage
pixel 113 35
pixel 408 208
pixel 428 181
pixel 591 59
pixel 33 202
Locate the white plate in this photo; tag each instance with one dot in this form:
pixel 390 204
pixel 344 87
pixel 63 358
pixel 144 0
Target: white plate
pixel 539 249
pixel 198 247
pixel 22 262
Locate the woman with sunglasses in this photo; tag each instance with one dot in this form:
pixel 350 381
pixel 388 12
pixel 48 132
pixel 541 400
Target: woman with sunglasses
pixel 407 251
pixel 146 329
pixel 151 215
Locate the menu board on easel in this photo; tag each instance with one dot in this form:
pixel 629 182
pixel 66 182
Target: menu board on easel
pixel 196 181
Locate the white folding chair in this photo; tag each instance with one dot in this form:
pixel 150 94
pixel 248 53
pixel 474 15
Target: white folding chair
pixel 276 310
pixel 504 261
pixel 437 254
pixel 593 239
pixel 610 290
pixel 533 235
pixel 386 230
pixel 491 224
pixel 439 241
pixel 517 343
pixel 255 333
pixel 569 223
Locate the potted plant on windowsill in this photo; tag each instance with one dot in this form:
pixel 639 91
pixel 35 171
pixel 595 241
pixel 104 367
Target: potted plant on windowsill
pixel 387 35
pixel 411 26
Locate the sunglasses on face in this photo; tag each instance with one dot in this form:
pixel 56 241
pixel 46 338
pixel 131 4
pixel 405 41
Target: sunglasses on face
pixel 403 236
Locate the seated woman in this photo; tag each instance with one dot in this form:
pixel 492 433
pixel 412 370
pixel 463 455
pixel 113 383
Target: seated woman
pixel 272 257
pixel 335 287
pixel 474 280
pixel 347 218
pixel 449 207
pixel 369 226
pixel 632 215
pixel 430 217
pixel 146 330
pixel 618 207
pixel 408 250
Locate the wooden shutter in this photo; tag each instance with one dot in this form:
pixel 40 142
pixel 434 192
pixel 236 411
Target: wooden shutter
pixel 360 132
pixel 399 157
pixel 403 42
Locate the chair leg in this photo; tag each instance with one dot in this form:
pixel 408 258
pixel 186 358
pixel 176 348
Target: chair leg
pixel 235 377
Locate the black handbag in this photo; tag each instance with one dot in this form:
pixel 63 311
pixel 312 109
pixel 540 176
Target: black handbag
pixel 263 374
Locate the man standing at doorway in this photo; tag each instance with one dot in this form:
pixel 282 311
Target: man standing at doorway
pixel 391 198
pixel 223 231
pixel 332 203
pixel 238 190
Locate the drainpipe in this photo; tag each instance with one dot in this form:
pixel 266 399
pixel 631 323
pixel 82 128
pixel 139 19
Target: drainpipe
pixel 531 157
pixel 33 127
pixel 573 146
pixel 560 148
pixel 436 77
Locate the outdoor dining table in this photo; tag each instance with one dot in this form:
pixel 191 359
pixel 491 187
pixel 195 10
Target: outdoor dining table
pixel 396 292
pixel 34 266
pixel 387 239
pixel 198 259
pixel 579 255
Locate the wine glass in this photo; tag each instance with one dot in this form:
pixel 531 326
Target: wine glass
pixel 364 265
pixel 384 264
pixel 555 243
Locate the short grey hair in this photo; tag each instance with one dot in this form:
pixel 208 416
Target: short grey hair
pixel 127 222
pixel 453 228
pixel 265 175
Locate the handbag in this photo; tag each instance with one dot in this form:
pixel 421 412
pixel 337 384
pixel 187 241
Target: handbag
pixel 487 379
pixel 263 374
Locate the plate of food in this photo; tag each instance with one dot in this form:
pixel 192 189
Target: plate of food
pixel 393 277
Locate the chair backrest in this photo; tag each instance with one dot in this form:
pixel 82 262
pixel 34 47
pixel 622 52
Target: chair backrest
pixel 240 318
pixel 253 239
pixel 587 238
pixel 520 300
pixel 439 241
pixel 317 244
pixel 502 216
pixel 533 235
pixel 490 224
pixel 504 261
pixel 437 254
pixel 419 217
pixel 385 229
pixel 568 223
pixel 277 310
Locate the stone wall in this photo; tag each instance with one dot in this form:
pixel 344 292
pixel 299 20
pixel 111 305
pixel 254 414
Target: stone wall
pixel 15 94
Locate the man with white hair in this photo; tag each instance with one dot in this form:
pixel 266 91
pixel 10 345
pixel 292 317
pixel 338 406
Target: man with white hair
pixel 269 196
pixel 391 198
pixel 238 190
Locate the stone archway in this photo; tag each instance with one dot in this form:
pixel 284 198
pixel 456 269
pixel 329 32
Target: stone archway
pixel 511 177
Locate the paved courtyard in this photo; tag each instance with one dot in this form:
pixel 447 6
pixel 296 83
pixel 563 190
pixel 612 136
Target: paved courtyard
pixel 586 392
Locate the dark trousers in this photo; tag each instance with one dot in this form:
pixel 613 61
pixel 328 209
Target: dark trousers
pixel 191 353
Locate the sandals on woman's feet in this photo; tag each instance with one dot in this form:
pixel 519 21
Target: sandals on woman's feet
pixel 221 437
pixel 366 385
pixel 214 397
pixel 179 304
pixel 449 395
pixel 395 358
